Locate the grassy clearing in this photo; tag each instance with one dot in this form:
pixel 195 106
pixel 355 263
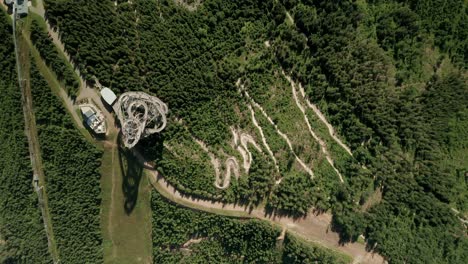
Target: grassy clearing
pixel 125 209
pixel 106 199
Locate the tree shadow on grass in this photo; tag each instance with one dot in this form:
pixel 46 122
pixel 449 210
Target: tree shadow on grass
pixel 272 212
pixel 132 172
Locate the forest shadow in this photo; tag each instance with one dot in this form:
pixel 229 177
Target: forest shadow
pixel 152 147
pixel 245 202
pixel 370 245
pixel 132 172
pixel 108 107
pixel 337 227
pixel 9 8
pixel 272 212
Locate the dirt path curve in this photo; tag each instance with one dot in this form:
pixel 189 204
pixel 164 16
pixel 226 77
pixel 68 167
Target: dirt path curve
pixel 246 155
pixel 230 164
pixel 313 228
pixel 322 144
pixel 193 241
pixel 240 143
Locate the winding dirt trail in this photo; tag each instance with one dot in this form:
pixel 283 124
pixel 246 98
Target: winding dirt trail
pixel 231 167
pixel 243 148
pixel 313 228
pixel 246 156
pixel 322 144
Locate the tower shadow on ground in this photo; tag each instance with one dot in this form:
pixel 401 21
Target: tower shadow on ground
pixel 132 172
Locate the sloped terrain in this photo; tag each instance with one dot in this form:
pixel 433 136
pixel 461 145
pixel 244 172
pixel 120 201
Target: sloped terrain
pixel 342 100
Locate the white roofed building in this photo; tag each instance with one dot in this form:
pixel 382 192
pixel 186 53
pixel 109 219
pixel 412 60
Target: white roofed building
pixel 108 95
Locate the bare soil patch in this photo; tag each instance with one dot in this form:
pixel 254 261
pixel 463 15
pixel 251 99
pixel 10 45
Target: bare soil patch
pixel 190 5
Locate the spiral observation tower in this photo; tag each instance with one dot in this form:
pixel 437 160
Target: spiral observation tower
pixel 140 115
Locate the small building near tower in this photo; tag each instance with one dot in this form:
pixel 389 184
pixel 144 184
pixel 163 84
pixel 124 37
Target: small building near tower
pixel 108 96
pixel 93 118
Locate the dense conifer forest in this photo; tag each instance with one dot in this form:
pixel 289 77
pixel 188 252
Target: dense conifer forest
pixel 219 239
pixel 389 75
pixel 44 43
